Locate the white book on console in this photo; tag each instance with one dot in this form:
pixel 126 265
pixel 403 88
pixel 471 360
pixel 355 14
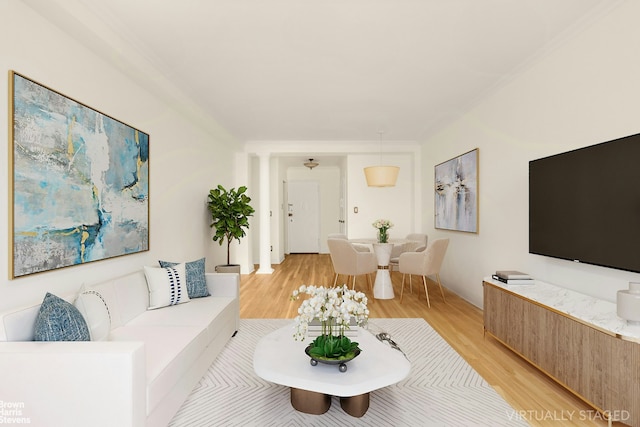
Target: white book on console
pixel 512 274
pixel 513 281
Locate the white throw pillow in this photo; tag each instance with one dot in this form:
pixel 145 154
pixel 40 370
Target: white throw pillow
pixel 95 311
pixel 167 286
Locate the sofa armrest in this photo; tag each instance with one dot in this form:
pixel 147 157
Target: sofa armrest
pixel 98 383
pixel 223 284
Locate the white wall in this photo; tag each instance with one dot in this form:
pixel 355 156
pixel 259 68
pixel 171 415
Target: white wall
pixel 396 204
pixel 583 93
pixel 185 161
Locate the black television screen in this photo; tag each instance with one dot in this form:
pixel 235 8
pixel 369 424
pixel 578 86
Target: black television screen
pixel 584 205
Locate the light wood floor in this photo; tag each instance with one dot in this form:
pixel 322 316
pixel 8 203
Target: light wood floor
pixel 538 399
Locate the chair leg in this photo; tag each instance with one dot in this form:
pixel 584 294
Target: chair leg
pixel 402 288
pixel 424 280
pixel 353 281
pixel 440 284
pixel 335 280
pixel 410 284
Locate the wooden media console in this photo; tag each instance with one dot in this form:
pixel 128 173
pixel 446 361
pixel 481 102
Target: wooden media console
pixel 575 339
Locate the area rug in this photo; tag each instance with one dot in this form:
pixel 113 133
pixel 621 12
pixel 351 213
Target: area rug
pixel 441 390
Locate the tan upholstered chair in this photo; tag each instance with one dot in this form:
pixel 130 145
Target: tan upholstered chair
pixel 418 237
pixel 394 263
pixel 359 247
pixel 425 263
pixel 417 242
pixel 337 236
pixel 350 262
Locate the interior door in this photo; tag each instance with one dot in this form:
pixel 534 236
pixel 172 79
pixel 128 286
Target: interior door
pixel 304 217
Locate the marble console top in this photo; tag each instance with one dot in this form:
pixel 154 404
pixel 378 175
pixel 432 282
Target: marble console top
pixel 592 311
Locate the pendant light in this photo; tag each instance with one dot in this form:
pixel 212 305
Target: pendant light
pixel 311 164
pixel 381 176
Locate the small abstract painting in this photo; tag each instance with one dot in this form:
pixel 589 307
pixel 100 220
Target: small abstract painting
pixel 79 182
pixel 456 193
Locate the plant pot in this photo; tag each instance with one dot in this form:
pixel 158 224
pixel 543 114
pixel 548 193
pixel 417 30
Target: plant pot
pixel 228 268
pixel 342 363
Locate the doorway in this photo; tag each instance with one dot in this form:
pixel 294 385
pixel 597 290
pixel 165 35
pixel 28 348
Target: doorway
pixel 303 216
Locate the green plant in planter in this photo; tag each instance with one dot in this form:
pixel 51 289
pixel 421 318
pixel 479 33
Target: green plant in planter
pixel 230 212
pixel 331 347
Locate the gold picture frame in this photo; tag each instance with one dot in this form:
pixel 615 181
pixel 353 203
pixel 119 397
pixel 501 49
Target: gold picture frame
pixel 78 182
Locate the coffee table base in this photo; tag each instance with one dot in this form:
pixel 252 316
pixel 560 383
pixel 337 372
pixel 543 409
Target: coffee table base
pixel 314 403
pixel 356 406
pixel 310 402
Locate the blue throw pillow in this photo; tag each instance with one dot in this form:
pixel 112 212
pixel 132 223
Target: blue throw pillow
pixel 196 282
pixel 59 320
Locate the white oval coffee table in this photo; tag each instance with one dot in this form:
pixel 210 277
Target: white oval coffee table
pixel 280 359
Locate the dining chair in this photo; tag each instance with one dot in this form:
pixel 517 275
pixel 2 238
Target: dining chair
pixel 425 263
pixel 418 237
pixel 416 242
pixel 337 236
pixel 359 247
pixel 394 263
pixel 347 260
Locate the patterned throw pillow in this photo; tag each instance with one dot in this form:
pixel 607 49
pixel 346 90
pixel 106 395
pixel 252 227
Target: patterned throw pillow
pixel 167 286
pixel 196 282
pixel 59 320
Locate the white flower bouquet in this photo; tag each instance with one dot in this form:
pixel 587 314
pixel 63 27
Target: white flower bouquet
pixel 383 225
pixel 334 308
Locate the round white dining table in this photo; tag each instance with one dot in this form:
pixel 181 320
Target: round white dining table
pixel 382 287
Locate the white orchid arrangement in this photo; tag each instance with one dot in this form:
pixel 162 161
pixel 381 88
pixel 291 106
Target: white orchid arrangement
pixel 382 225
pixel 334 308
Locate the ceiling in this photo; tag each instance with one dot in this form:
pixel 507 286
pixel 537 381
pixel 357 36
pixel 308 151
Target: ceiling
pixel 330 70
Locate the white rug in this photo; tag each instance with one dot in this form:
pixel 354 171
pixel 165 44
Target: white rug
pixel 441 390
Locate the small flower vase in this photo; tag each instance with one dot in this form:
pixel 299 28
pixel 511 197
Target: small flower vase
pixel 383 235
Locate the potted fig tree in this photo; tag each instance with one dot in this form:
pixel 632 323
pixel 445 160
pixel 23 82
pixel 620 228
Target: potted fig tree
pixel 230 211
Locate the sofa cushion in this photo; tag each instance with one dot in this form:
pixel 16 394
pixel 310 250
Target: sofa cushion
pixel 59 320
pixel 131 295
pixel 167 286
pixel 200 312
pixel 95 311
pixel 170 352
pixel 19 325
pixel 196 282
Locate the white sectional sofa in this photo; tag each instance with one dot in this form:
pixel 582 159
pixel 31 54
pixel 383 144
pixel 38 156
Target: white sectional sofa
pixel 139 376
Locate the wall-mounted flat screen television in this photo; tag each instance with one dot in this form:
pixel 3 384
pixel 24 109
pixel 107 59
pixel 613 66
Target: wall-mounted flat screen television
pixel 584 205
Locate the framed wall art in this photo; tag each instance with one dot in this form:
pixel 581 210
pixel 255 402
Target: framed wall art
pixel 79 182
pixel 456 193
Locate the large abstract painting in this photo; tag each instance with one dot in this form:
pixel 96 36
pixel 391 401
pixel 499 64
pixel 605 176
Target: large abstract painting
pixel 456 193
pixel 79 182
